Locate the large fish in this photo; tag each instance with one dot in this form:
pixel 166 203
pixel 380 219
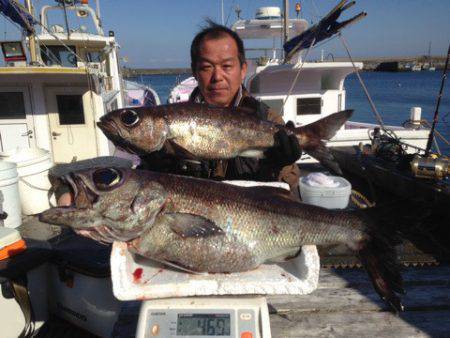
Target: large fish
pixel 207 132
pixel 206 226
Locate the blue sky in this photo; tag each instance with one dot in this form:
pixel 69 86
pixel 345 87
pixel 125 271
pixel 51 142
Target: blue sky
pixel 158 33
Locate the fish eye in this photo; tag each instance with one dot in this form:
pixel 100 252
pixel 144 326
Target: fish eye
pixel 129 117
pixel 107 178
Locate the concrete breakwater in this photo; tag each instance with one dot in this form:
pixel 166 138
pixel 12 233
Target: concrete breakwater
pixel 399 64
pixel 389 64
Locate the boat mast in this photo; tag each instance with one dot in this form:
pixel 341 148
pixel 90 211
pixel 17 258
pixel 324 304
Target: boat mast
pixel 436 112
pixel 97 7
pixel 32 38
pixel 285 21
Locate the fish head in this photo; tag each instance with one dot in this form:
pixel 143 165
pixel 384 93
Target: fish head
pixel 138 129
pixel 108 204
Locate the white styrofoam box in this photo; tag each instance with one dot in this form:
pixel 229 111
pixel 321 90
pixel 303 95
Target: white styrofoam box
pixel 137 278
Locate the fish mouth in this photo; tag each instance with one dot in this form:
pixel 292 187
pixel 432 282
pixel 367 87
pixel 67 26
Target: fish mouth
pixel 83 196
pixel 112 131
pixel 109 127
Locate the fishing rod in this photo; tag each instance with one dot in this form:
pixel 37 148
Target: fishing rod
pixel 436 112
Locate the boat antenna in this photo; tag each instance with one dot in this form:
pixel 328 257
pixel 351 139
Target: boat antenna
pixel 436 112
pixel 297 8
pixel 238 12
pixel 66 20
pixel 285 21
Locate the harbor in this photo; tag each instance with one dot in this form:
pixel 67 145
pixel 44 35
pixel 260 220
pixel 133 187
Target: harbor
pixel 276 182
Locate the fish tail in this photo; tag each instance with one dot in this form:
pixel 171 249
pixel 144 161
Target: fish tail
pixel 424 224
pixel 312 135
pixel 378 256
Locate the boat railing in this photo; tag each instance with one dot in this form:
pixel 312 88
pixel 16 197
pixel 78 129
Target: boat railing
pixel 82 11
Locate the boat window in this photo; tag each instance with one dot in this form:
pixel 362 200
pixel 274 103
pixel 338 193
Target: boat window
pixel 94 57
pixel 309 106
pixel 58 55
pixel 12 105
pixel 274 105
pixel 70 109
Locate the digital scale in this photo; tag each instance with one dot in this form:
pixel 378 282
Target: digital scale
pixel 204 317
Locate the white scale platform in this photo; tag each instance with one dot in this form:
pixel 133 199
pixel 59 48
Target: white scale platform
pixel 137 278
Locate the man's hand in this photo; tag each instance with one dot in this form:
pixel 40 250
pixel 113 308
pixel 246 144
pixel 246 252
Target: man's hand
pixel 285 151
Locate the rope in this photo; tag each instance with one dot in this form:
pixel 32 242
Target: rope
pixel 367 204
pixel 372 105
pixel 296 76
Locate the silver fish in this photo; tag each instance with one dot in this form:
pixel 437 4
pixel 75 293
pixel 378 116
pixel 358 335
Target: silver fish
pixel 206 132
pixel 206 226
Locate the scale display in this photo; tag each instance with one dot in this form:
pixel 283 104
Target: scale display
pixel 204 317
pixel 203 324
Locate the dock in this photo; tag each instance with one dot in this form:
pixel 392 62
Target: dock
pixel 344 305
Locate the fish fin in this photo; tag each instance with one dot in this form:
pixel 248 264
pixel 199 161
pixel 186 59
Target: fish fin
pixel 189 225
pixel 253 153
pixel 178 266
pixel 325 157
pixel 172 147
pixel 326 128
pixel 377 254
pixel 286 256
pixel 380 261
pixel 312 135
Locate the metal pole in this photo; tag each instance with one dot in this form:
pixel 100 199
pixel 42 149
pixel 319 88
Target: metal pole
pixel 66 20
pixel 286 21
pixel 97 5
pixel 222 13
pixel 436 112
pixel 32 38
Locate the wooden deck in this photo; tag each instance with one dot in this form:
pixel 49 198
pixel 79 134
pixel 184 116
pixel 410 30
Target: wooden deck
pixel 346 305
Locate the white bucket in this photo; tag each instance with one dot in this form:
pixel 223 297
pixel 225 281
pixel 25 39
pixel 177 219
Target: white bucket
pixel 32 166
pixel 326 197
pixel 9 195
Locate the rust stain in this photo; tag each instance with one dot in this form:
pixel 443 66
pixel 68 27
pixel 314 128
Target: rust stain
pixel 275 230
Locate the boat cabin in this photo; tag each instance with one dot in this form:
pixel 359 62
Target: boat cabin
pixel 53 101
pixel 304 91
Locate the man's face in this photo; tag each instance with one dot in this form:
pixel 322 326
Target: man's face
pixel 218 71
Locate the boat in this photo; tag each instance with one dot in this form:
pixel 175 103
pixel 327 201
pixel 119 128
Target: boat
pixel 65 282
pixel 303 91
pixel 51 99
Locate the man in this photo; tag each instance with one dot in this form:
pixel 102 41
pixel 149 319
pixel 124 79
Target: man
pixel 219 66
pixel 218 63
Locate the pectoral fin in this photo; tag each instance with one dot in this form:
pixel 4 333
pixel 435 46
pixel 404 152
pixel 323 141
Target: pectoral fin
pixel 189 225
pixel 175 149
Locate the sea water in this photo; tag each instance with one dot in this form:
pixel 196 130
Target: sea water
pixel 393 94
